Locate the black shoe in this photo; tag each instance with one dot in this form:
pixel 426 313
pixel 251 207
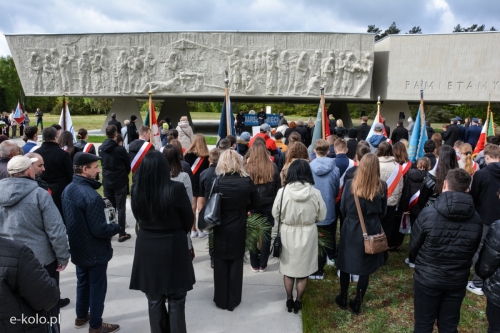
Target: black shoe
pixel 355 305
pixel 123 238
pixel 341 301
pixel 212 264
pixel 63 302
pixel 297 306
pixel 289 304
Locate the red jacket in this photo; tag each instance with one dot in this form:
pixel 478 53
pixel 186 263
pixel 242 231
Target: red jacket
pixel 270 143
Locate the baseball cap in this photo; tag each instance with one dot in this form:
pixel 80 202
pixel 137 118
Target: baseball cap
pixel 379 127
pixel 475 120
pixel 18 164
pixel 265 127
pixel 245 136
pixel 84 158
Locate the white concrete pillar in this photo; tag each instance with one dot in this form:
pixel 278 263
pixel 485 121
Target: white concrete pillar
pixel 124 107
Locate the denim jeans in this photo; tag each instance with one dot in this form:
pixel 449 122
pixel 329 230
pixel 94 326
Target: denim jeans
pixel 91 287
pixel 431 304
pixel 39 121
pixel 118 199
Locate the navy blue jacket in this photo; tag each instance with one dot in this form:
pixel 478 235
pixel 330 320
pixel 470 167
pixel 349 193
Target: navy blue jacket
pixel 88 232
pixel 472 135
pixel 342 162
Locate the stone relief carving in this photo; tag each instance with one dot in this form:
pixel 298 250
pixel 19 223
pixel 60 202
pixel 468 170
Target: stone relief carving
pixel 188 64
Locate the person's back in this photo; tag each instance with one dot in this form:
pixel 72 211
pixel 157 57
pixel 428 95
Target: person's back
pixel 473 133
pixel 115 122
pixel 399 133
pixel 115 164
pixel 326 181
pixel 185 133
pixel 26 288
pixel 451 135
pixel 363 129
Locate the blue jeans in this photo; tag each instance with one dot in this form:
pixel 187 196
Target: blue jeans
pixel 91 290
pixel 39 121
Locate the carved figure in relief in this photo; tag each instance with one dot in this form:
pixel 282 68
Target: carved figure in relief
pixel 91 54
pixel 251 63
pixel 54 55
pixel 313 85
pixel 149 67
pixel 348 74
pixel 339 73
pixel 84 72
pixel 328 69
pixel 250 85
pixel 122 72
pixel 198 83
pixel 263 66
pixel 173 85
pixel 283 73
pixel 172 64
pixel 36 72
pixel 272 72
pixel 234 63
pixel 244 70
pixel 97 71
pixel 135 68
pixel 301 73
pixel 315 63
pixel 139 66
pixel 292 65
pixel 365 68
pixel 65 68
pixel 107 70
pixel 48 74
pixel 258 76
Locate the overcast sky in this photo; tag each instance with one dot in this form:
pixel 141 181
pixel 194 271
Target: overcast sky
pixel 81 16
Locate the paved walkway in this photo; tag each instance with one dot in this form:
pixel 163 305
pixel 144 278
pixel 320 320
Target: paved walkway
pixel 262 308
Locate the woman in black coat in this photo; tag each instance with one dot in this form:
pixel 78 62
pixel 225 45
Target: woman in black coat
pixel 239 195
pixel 82 144
pixel 162 267
pixel 351 258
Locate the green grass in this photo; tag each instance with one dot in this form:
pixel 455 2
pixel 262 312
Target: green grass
pixel 387 307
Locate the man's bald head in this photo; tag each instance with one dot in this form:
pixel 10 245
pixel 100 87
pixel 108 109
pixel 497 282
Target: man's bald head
pixel 38 166
pixel 9 149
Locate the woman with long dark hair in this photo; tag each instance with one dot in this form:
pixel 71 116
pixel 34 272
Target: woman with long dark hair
pixel 82 144
pixel 239 195
pixel 298 206
pixel 351 258
pixel 65 141
pixel 266 177
pixel 162 267
pixel 433 183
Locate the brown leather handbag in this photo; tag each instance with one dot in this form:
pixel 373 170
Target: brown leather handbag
pixel 373 243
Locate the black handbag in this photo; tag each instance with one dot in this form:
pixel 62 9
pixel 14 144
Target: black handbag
pixel 277 247
pixel 212 213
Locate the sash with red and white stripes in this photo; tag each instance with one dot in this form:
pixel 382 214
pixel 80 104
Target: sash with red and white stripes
pixel 140 155
pixel 87 147
pixel 341 186
pixel 475 166
pixel 404 227
pixel 394 179
pixel 197 164
pixel 406 167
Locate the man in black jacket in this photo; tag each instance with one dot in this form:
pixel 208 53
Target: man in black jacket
pixel 115 122
pixel 430 130
pixel 132 132
pixel 484 190
pixel 58 165
pixel 430 150
pixel 90 228
pixel 444 239
pixel 400 132
pixel 363 129
pixel 261 116
pixel 451 133
pixel 115 169
pixel 27 290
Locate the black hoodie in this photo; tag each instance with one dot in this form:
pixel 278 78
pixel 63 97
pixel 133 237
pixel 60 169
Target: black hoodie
pixel 413 182
pixel 444 238
pixel 484 188
pixel 115 165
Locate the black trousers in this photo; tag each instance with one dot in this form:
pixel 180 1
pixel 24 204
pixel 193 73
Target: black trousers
pixel 493 315
pixel 329 253
pixel 52 270
pixel 118 199
pixel 259 258
pixel 161 321
pixel 431 304
pixel 228 282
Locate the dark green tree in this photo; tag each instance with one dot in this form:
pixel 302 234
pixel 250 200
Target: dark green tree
pixel 472 28
pixel 375 30
pixel 415 30
pixel 392 30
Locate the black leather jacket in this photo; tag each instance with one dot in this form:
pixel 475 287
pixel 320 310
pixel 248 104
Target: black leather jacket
pixel 428 192
pixel 488 264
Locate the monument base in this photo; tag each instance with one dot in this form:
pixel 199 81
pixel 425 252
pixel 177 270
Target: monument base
pixel 339 111
pixel 390 110
pixel 175 108
pixel 124 107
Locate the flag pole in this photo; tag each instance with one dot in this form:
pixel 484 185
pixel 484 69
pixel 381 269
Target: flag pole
pixel 322 98
pixel 228 120
pixel 150 117
pixel 422 115
pixel 64 112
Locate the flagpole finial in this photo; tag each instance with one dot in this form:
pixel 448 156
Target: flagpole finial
pixel 226 79
pixel 378 101
pixel 150 93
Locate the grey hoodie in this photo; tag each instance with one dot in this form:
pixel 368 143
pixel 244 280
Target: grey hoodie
pixel 28 215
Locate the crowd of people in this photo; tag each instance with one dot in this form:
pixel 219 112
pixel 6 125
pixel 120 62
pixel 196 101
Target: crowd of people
pixel 50 213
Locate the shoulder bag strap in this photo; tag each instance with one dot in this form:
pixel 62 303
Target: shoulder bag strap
pixel 213 184
pixel 281 206
pixel 360 214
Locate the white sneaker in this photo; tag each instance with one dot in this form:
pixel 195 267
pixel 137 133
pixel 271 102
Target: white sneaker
pixel 473 289
pixel 255 270
pixel 407 261
pixel 354 278
pixel 338 272
pixel 330 262
pixel 202 234
pixel 194 234
pixel 320 276
pixel 312 277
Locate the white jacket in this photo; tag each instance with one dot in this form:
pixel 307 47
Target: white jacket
pixel 387 165
pixel 185 134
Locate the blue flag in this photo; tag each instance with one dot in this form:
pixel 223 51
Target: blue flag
pixel 226 124
pixel 418 137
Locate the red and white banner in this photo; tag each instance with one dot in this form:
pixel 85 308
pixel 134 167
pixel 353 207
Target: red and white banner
pixel 406 167
pixel 394 179
pixel 404 227
pixel 197 164
pixel 140 155
pixel 341 187
pixel 87 147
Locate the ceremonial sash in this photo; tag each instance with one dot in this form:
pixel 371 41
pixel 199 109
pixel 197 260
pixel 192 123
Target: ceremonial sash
pixel 475 166
pixel 197 164
pixel 404 227
pixel 140 155
pixel 341 186
pixel 406 167
pixel 87 147
pixel 65 148
pixel 394 179
pixel 34 148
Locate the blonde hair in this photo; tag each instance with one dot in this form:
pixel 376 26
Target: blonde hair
pixel 466 156
pixel 366 183
pixel 340 123
pixel 311 122
pixel 230 162
pixel 199 146
pixel 184 118
pixel 405 142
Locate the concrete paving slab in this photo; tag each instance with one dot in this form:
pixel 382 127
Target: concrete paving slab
pixel 262 308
